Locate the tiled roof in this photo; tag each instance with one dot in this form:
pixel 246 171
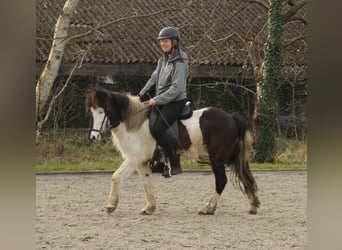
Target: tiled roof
pixel 202 26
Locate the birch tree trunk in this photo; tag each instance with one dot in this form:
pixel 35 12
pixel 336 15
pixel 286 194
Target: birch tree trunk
pixel 60 39
pixel 257 106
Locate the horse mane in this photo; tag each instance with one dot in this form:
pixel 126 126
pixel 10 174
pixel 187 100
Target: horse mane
pixel 136 113
pixel 133 112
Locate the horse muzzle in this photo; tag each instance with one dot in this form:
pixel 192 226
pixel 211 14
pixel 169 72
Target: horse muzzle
pixel 95 136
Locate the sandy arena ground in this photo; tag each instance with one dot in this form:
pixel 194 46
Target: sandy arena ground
pixel 70 213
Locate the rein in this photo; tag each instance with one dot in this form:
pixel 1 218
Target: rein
pixel 128 117
pixel 168 125
pixel 118 122
pixel 141 110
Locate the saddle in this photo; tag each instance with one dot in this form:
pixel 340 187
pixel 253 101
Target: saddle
pixel 180 137
pixel 174 129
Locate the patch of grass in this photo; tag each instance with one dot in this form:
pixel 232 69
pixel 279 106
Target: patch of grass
pixel 77 167
pixel 276 166
pixel 291 151
pixel 73 152
pixel 253 166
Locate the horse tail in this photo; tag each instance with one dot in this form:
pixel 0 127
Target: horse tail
pixel 240 164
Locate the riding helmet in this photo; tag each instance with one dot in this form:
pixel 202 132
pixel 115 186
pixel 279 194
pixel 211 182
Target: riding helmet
pixel 168 33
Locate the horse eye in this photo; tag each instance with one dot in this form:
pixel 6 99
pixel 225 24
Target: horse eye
pixel 101 111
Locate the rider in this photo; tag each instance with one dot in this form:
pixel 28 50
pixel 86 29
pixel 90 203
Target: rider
pixel 169 79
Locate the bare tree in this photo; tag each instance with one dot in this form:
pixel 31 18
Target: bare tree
pixel 255 44
pixel 60 40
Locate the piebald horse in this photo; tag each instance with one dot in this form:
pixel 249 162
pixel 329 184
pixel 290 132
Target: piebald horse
pixel 224 137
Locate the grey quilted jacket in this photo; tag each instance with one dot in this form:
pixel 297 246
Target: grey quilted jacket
pixel 170 78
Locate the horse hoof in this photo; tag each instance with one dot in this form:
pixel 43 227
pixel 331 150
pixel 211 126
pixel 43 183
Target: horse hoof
pixel 252 212
pixel 110 209
pixel 148 211
pixel 144 212
pixel 205 212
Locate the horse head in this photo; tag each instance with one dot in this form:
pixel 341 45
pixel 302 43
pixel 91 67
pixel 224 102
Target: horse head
pixel 108 110
pixel 96 102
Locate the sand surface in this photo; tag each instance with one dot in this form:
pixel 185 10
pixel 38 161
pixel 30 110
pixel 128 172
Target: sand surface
pixel 70 213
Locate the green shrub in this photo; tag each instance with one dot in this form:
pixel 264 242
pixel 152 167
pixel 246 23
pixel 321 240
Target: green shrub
pixel 71 151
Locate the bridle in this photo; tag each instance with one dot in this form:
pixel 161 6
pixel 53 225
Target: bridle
pixel 108 124
pixel 100 131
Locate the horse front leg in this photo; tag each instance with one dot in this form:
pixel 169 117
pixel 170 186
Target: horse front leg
pixel 124 171
pixel 145 174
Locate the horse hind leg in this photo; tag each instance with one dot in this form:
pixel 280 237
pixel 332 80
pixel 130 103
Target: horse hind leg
pixel 253 202
pixel 145 174
pixel 220 183
pixel 210 207
pixel 250 187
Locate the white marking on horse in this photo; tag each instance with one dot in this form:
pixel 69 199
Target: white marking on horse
pixel 197 147
pixel 99 123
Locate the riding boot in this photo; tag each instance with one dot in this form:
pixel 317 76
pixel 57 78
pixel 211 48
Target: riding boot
pixel 175 166
pixel 157 163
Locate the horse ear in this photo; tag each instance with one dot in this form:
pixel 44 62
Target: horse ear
pixel 102 97
pixel 90 97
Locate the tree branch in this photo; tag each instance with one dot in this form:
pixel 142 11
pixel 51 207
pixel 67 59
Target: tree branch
pixel 221 39
pixel 289 42
pixel 260 3
pixel 297 19
pixel 294 10
pixel 214 84
pixel 53 100
pixel 122 19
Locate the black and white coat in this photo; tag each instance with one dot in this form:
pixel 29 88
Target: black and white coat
pixel 224 137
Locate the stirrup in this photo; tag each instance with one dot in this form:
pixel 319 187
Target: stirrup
pixel 167 171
